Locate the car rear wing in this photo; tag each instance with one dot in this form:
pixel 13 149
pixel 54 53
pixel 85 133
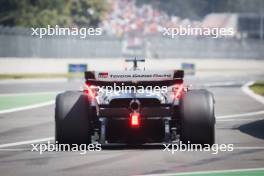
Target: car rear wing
pixel 154 78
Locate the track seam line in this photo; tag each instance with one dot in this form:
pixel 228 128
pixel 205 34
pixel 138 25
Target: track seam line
pixel 240 115
pixel 26 142
pixel 28 93
pixel 206 172
pixel 47 103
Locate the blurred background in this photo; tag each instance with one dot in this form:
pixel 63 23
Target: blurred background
pixel 130 28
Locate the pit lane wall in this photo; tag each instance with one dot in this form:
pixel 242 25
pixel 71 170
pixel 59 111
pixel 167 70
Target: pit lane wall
pixel 61 66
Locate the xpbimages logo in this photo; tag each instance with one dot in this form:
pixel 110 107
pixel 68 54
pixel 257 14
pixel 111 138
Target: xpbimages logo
pixel 213 32
pixel 62 31
pixel 182 147
pixel 56 147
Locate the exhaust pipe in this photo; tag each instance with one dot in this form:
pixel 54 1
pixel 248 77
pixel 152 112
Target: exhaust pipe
pixel 134 105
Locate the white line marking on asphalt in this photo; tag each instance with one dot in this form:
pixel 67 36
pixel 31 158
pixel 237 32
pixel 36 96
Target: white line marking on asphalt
pixel 236 119
pixel 240 115
pixel 14 149
pixel 245 88
pixel 27 107
pixel 222 84
pixel 249 148
pixel 26 142
pixel 29 93
pixel 207 172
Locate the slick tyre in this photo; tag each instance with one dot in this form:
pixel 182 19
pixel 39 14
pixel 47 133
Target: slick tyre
pixel 72 118
pixel 197 118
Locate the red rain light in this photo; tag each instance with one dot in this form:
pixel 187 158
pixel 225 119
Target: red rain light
pixel 88 90
pixel 178 92
pixel 134 119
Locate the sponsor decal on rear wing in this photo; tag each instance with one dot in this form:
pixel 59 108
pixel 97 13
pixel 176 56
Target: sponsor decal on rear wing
pixel 135 76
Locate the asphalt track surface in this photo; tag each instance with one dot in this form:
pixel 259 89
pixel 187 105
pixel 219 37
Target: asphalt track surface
pixel 244 131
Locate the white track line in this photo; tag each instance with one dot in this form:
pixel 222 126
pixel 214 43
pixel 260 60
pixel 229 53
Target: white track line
pixel 207 172
pixel 222 84
pixel 240 115
pixel 29 93
pixel 14 149
pixel 249 148
pixel 239 119
pixel 245 88
pixel 26 142
pixel 27 107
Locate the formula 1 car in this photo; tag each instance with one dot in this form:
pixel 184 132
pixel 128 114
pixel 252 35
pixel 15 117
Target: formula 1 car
pixel 140 115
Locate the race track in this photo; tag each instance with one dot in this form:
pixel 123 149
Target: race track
pixel 242 131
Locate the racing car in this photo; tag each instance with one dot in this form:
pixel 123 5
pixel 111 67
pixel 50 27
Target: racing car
pixel 95 114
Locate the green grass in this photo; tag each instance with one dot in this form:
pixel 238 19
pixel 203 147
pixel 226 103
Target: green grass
pixel 21 100
pixel 258 87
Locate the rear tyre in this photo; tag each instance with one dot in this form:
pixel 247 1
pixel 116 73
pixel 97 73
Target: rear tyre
pixel 197 118
pixel 72 118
